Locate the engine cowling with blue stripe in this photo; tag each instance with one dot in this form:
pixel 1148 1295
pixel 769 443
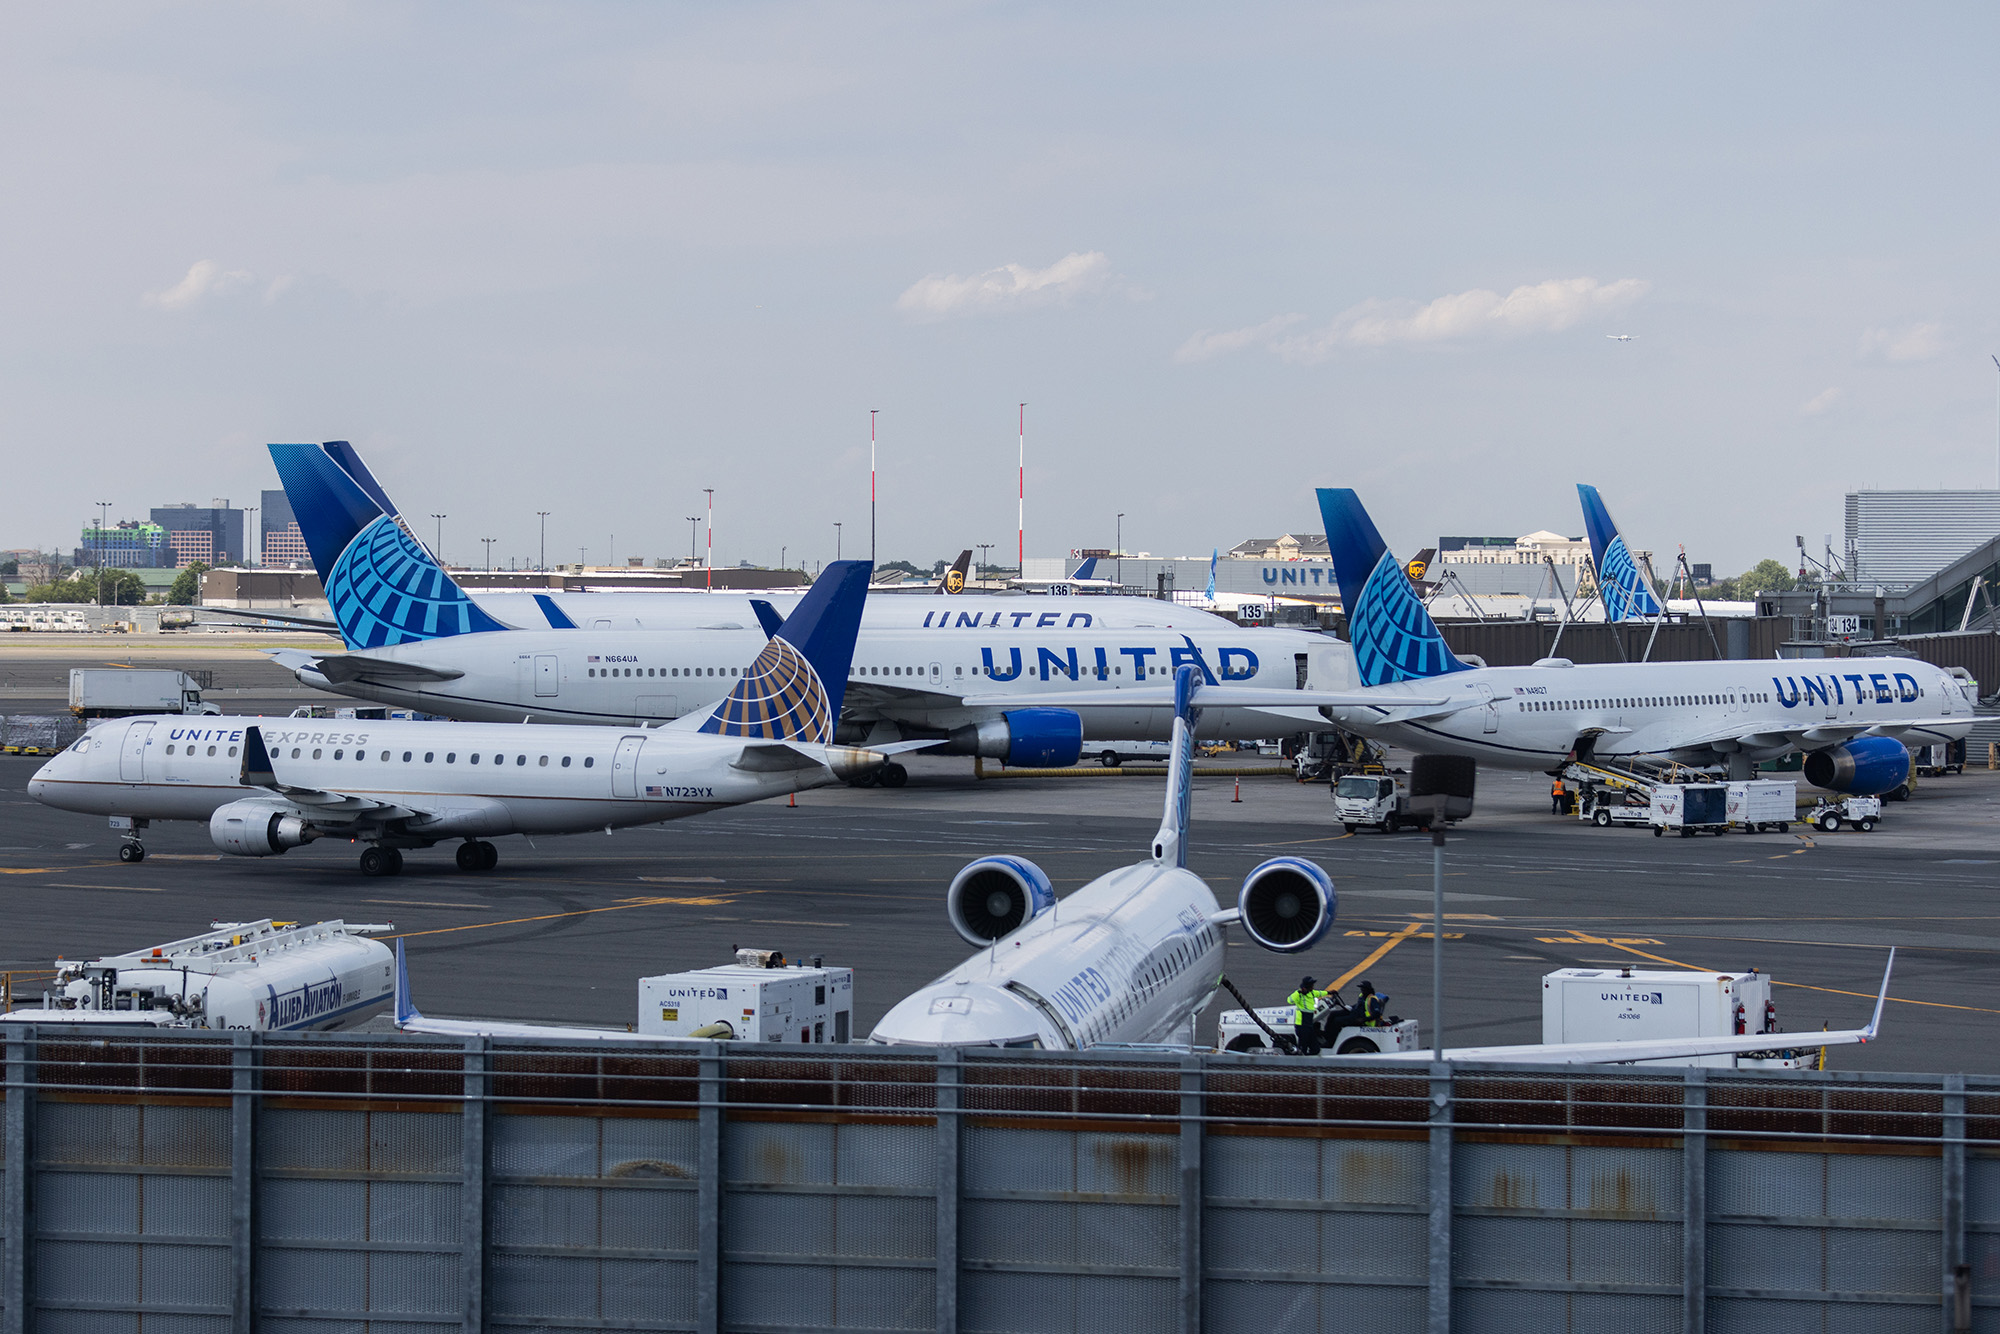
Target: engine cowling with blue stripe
pixel 1866 767
pixel 996 896
pixel 1287 904
pixel 1024 739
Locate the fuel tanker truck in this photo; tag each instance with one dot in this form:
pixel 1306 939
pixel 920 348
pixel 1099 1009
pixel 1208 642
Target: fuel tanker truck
pixel 261 976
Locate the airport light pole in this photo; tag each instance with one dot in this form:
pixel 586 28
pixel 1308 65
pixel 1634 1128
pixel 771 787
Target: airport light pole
pixel 781 558
pixel 1120 557
pixel 694 539
pixel 836 540
pixel 871 484
pixel 439 553
pixel 544 515
pixel 984 559
pixel 708 579
pixel 103 517
pixel 489 553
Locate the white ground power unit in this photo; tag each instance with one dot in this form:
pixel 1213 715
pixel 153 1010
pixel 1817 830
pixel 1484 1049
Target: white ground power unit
pixel 1623 1004
pixel 758 998
pixel 260 976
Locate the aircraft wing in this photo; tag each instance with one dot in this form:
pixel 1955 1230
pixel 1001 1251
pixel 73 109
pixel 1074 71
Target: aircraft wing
pixel 341 668
pixel 331 627
pixel 1218 697
pixel 1626 1053
pixel 1805 736
pixel 344 807
pixel 877 694
pixel 410 1021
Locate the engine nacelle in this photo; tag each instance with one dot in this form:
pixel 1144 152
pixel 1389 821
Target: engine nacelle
pixel 1024 738
pixel 1866 767
pixel 1287 904
pixel 258 829
pixel 995 896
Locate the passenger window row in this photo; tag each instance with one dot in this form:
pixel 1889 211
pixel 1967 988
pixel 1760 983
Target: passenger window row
pixel 430 756
pixel 663 671
pixel 189 750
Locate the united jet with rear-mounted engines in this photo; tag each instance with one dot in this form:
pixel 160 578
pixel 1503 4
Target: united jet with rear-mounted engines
pixel 268 784
pixel 1133 956
pixel 415 639
pixel 1852 718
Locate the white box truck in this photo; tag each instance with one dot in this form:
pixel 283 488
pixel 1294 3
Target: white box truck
pixel 1690 808
pixel 1625 1004
pixel 122 692
pixel 759 998
pixel 1763 803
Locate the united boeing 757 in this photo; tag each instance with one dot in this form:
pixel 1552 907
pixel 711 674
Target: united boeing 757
pixel 416 639
pixel 1852 718
pixel 265 785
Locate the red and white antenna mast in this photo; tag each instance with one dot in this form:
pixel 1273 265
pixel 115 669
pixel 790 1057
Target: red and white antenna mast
pixel 708 578
pixel 871 484
pixel 1021 534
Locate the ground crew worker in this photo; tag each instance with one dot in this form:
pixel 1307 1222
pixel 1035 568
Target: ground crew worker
pixel 1372 1006
pixel 1305 1015
pixel 1556 795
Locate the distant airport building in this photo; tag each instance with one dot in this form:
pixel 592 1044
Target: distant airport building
pixel 1900 538
pixel 279 542
pixel 1527 550
pixel 125 545
pixel 212 535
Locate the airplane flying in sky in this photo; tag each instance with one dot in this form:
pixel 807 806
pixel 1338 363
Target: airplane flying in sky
pixel 1621 585
pixel 1851 717
pixel 268 784
pixel 1133 956
pixel 416 640
pixel 1621 338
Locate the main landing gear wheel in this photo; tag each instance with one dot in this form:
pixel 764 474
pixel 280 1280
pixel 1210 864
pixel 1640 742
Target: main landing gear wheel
pixel 894 775
pixel 132 852
pixel 1829 822
pixel 477 855
pixel 378 860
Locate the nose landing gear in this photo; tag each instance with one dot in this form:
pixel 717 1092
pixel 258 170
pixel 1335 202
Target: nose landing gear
pixel 132 851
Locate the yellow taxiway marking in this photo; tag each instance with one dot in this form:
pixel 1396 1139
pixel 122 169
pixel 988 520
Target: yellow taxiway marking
pixel 1596 940
pixel 1406 933
pixel 1798 986
pixel 1398 938
pixel 553 916
pixel 33 870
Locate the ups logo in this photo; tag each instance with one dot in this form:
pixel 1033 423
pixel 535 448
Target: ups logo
pixel 954 581
pixel 1415 569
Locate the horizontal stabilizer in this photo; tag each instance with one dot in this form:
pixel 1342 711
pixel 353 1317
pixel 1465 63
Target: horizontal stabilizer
pixel 344 667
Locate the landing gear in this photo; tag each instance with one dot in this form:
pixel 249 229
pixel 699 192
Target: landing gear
pixel 378 860
pixel 134 851
pixel 894 775
pixel 477 855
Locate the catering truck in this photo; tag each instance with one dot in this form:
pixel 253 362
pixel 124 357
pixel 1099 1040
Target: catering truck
pixel 1625 1005
pixel 759 998
pixel 124 692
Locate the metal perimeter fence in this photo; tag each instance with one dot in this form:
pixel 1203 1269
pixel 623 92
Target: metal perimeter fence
pixel 175 1183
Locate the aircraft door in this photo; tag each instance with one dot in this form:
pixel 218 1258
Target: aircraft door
pixel 1301 670
pixel 625 767
pixel 1489 717
pixel 937 673
pixel 132 760
pixel 548 679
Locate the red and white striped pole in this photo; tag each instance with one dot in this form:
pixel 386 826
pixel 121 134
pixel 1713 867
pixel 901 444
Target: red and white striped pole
pixel 1021 553
pixel 871 485
pixel 708 578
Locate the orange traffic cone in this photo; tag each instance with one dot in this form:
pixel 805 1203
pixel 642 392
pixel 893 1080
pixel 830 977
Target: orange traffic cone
pixel 1239 790
pixel 794 801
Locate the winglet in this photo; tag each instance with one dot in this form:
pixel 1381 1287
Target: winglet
pixel 793 691
pixel 556 617
pixel 1087 570
pixel 1868 1033
pixel 1394 638
pixel 1170 844
pixel 1626 596
pixel 256 768
pixel 406 1009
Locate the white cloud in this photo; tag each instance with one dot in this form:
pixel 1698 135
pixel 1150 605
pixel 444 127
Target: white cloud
pixel 204 278
pixel 1010 287
pixel 1919 342
pixel 1202 345
pixel 1549 307
pixel 1820 402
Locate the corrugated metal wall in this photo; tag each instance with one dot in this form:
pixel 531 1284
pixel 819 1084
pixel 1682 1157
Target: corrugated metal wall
pixel 403 1186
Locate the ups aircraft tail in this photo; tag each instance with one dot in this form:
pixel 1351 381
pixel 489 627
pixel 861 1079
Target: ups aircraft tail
pixel 383 587
pixel 954 578
pixel 1626 596
pixel 1393 636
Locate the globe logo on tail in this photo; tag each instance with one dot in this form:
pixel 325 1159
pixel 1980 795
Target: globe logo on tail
pixel 1393 636
pixel 385 589
pixel 780 698
pixel 1625 591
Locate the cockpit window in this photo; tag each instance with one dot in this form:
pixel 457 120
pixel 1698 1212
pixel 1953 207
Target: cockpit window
pixel 1034 1043
pixel 82 744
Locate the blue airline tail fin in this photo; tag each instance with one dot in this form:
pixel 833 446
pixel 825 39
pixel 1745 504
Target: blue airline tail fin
pixel 553 614
pixel 406 1008
pixel 1626 596
pixel 1087 570
pixel 1170 844
pixel 383 586
pixel 792 692
pixel 1394 638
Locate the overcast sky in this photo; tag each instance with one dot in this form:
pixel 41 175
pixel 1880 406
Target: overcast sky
pixel 595 258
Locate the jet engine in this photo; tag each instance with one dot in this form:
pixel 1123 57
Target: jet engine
pixel 1866 767
pixel 997 895
pixel 258 829
pixel 1025 738
pixel 1287 904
